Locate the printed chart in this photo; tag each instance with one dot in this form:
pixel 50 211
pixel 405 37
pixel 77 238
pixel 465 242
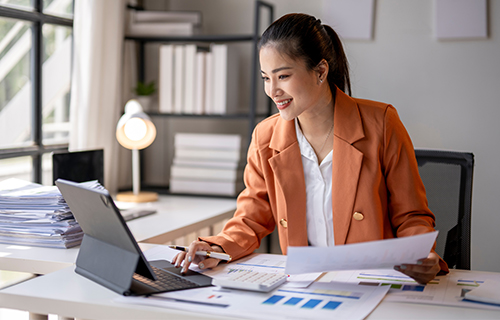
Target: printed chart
pixel 443 290
pixel 318 301
pixel 311 299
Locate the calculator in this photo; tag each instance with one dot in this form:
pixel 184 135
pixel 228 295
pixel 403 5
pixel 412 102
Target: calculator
pixel 251 280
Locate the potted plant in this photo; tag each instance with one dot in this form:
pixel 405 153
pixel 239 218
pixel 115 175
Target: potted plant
pixel 144 92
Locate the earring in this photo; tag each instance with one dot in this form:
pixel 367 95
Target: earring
pixel 321 80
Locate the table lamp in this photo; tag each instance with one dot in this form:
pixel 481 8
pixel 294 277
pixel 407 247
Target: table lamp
pixel 135 131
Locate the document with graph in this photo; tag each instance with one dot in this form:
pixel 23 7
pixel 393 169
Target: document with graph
pixel 318 301
pixel 357 256
pixel 443 290
pixel 299 298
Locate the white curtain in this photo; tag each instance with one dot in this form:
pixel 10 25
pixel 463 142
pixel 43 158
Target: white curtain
pixel 96 90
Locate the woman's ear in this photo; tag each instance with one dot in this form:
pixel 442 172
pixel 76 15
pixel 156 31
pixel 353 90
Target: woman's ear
pixel 322 69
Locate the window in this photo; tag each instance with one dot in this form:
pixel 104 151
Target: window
pixel 36 39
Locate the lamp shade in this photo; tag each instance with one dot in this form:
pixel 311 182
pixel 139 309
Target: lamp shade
pixel 135 130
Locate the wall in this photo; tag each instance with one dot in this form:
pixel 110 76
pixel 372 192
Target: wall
pixel 446 92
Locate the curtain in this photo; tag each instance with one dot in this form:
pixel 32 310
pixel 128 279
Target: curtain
pixel 97 82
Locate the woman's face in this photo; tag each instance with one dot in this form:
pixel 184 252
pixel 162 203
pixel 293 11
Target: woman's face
pixel 293 88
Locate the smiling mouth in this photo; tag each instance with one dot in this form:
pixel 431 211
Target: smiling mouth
pixel 283 104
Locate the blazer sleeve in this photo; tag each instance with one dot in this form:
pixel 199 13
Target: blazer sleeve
pixel 408 208
pixel 253 219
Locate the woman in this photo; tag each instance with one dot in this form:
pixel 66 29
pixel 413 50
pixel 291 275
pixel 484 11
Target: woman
pixel 328 169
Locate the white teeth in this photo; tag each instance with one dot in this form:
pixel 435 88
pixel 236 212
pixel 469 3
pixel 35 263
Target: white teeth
pixel 283 102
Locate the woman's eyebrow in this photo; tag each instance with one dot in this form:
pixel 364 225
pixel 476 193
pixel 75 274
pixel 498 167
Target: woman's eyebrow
pixel 277 69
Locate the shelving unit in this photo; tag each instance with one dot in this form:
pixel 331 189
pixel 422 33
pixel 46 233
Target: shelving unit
pixel 254 38
pixel 250 117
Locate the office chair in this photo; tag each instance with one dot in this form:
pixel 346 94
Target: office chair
pixel 447 177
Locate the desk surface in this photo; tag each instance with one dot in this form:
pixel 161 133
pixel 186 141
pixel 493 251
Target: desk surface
pixel 68 294
pixel 175 217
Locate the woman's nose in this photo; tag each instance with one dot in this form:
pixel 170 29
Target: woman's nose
pixel 274 90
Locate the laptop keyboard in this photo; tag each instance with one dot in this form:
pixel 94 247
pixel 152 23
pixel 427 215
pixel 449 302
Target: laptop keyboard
pixel 165 281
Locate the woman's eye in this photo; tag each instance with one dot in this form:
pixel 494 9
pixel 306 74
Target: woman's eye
pixel 265 78
pixel 282 77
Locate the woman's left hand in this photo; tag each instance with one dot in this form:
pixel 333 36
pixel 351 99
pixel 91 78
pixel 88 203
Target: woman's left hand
pixel 424 271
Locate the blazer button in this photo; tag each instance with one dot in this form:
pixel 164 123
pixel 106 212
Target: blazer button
pixel 283 223
pixel 358 216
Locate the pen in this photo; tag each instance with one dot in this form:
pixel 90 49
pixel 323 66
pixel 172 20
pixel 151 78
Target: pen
pixel 210 254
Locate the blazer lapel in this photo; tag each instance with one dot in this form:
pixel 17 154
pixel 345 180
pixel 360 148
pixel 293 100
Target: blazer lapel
pixel 287 168
pixel 347 162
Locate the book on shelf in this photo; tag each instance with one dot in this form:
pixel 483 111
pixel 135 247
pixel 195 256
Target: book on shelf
pixel 198 153
pixel 222 188
pixel 209 83
pixel 205 140
pixel 166 79
pixel 179 74
pixel 198 82
pixel 146 16
pixel 143 23
pixel 207 164
pixel 189 78
pixel 161 29
pixel 181 78
pixel 226 65
pixel 199 99
pixel 205 173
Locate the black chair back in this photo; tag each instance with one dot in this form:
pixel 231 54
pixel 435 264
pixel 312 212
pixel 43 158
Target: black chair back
pixel 447 177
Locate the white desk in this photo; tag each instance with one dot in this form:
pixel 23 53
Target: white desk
pixel 180 215
pixel 175 217
pixel 34 259
pixel 68 294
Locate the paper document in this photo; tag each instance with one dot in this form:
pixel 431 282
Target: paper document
pixel 488 292
pixel 357 256
pixel 443 290
pixel 319 301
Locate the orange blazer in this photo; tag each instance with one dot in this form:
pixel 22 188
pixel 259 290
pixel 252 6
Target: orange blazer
pixel 377 192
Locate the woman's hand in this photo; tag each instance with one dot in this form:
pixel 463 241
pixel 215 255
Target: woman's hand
pixel 424 271
pixel 189 257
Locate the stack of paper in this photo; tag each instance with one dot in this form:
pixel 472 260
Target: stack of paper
pixel 207 164
pixel 36 215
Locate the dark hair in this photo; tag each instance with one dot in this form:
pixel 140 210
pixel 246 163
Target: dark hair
pixel 301 36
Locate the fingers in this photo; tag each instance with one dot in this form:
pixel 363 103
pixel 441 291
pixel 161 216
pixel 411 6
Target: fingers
pixel 424 271
pixel 208 263
pixel 177 260
pixel 185 259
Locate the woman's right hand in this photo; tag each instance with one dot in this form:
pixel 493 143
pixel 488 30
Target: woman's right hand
pixel 190 257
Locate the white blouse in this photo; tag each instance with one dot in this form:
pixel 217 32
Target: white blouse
pixel 318 193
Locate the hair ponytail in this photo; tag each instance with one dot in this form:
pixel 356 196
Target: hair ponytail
pixel 301 36
pixel 339 74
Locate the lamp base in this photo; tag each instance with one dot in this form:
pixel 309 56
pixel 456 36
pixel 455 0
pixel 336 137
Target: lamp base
pixel 143 196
